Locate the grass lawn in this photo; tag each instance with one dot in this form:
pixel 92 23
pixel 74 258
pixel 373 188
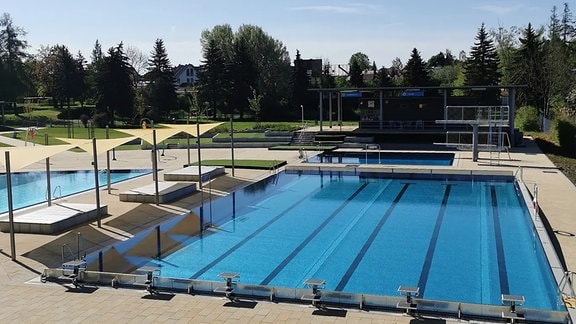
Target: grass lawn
pixel 564 161
pixel 243 135
pixel 304 147
pixel 244 164
pixel 62 132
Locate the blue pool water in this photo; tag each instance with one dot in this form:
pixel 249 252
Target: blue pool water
pixel 398 158
pixel 457 238
pixel 29 188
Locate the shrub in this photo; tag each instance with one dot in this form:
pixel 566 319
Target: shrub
pixel 565 132
pixel 527 119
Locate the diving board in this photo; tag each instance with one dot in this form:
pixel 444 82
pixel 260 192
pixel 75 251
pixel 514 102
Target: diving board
pixel 167 191
pixel 52 219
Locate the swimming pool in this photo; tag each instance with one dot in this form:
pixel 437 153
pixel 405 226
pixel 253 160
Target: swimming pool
pixel 399 158
pixel 29 188
pixel 458 238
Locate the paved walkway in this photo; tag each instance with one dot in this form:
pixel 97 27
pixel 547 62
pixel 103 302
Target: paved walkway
pixel 24 299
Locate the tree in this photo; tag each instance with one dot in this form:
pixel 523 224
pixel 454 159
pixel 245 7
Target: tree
pixel 300 83
pixel 161 91
pixel 81 88
pixel 61 75
pixel 273 71
pixel 116 93
pixel 506 43
pixel 215 76
pixel 529 69
pixel 481 68
pixel 395 71
pixel 243 77
pixel 255 106
pixel 271 66
pixel 212 75
pixel 382 78
pixel 92 70
pixel 13 77
pixel 327 80
pixel 559 61
pixel 359 63
pixel 441 60
pixel 415 72
pixel 138 61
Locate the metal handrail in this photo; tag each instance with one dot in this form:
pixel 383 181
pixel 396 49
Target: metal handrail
pixel 371 146
pixel 59 189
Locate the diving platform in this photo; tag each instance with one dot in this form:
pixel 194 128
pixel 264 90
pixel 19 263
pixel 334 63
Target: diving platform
pixel 51 219
pixel 167 191
pixel 191 173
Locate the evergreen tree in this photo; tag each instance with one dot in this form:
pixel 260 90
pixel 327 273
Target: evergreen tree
pixel 116 93
pixel 212 75
pixel 382 78
pixel 415 72
pixel 243 77
pixel 81 88
pixel 92 70
pixel 559 61
pixel 160 89
pixel 216 80
pixel 481 67
pixel 529 69
pixel 300 84
pixel 13 77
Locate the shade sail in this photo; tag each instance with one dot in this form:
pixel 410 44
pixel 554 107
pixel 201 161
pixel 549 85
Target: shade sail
pixel 147 134
pixel 21 157
pixel 192 129
pixel 102 145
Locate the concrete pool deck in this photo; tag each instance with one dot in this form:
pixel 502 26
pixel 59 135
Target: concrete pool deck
pixel 25 299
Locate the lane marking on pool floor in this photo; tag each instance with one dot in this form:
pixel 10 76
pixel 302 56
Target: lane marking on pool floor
pixel 370 240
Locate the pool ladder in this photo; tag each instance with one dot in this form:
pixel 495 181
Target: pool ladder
pixel 56 189
pixel 566 288
pixel 70 255
pixel 372 147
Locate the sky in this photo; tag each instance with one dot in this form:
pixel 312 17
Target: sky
pixel 331 30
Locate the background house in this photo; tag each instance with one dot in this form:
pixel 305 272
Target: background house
pixel 185 75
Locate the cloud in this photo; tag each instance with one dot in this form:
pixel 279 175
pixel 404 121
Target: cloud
pixel 352 9
pixel 502 10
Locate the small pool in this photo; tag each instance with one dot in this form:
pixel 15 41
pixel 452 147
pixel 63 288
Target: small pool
pixel 29 188
pixel 395 158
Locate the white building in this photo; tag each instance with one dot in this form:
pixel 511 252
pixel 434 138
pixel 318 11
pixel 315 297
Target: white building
pixel 185 74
